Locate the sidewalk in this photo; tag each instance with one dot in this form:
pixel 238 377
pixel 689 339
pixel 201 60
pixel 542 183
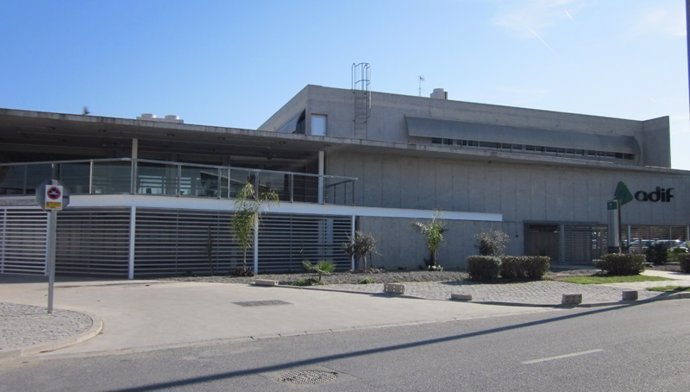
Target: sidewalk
pixel 144 315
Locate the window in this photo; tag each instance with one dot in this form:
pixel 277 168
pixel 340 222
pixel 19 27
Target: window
pixel 318 124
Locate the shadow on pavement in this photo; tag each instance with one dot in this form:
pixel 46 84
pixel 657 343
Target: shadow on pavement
pixel 332 357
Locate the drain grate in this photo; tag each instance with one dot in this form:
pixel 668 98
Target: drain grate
pixel 262 303
pixel 308 377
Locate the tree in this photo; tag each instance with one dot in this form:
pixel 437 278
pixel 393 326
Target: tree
pixel 360 247
pixel 248 209
pixel 433 233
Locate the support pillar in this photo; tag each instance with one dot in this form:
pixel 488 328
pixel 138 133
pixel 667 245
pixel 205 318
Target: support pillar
pixel 133 175
pixel 256 245
pixel 561 243
pixel 132 239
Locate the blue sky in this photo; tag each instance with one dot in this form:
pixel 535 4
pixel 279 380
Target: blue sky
pixel 234 63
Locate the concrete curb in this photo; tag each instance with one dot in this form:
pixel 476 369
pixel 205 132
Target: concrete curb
pixel 39 348
pixel 660 297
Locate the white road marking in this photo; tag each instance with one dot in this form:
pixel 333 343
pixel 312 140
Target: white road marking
pixel 562 356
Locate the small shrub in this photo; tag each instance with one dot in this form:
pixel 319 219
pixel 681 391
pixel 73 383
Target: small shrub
pixel 684 261
pixel 321 268
pixel 483 268
pixel 524 267
pixel 657 253
pixel 492 243
pixel 361 246
pixel 676 254
pixel 367 280
pixel 621 264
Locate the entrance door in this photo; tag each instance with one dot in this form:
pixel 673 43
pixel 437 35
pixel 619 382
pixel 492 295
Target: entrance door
pixel 542 240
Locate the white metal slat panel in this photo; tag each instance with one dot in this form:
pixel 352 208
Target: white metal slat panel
pixel 23 241
pixel 176 242
pixel 286 240
pixel 93 242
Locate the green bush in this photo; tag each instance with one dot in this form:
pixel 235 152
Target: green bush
pixel 621 264
pixel 684 260
pixel 537 266
pixel 524 267
pixel 657 254
pixel 512 267
pixel 483 268
pixel 676 254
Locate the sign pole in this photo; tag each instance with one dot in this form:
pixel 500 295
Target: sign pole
pixel 52 234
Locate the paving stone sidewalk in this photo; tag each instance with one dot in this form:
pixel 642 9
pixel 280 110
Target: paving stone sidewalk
pixel 525 293
pixel 23 326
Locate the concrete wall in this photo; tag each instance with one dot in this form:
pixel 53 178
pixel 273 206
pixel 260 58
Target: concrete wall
pixel 401 246
pixel 518 191
pixel 521 192
pixel 387 120
pixel 656 143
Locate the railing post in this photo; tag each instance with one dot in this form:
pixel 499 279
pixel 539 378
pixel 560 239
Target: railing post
pixel 229 182
pixel 256 183
pixel 91 177
pixel 292 187
pixel 179 180
pixel 219 187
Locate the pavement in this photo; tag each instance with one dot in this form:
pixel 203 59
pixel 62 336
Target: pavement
pixel 94 317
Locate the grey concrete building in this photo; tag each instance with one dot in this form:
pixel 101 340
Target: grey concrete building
pixel 154 196
pixel 548 174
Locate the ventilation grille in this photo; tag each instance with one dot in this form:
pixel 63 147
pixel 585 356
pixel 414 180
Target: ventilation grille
pixel 93 242
pixel 23 241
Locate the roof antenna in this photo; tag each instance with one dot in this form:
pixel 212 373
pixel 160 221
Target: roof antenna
pixel 421 79
pixel 85 111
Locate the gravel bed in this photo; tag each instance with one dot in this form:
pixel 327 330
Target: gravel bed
pixel 338 278
pixel 25 325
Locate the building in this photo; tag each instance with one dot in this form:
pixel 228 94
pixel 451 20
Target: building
pixel 154 196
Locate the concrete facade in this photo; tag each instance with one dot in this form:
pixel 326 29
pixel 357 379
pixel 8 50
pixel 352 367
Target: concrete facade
pixel 399 165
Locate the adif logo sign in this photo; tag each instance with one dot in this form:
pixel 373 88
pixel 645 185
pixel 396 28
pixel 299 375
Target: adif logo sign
pixel 659 194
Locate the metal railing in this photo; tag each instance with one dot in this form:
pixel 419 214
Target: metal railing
pixel 164 178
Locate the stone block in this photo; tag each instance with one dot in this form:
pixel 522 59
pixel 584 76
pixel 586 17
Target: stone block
pixel 394 288
pixel 461 297
pixel 265 282
pixel 630 295
pixel 571 299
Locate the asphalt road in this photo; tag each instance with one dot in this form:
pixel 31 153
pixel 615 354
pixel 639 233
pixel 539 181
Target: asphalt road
pixel 629 348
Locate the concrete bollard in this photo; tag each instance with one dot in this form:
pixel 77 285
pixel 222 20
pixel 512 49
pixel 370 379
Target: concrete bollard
pixel 571 299
pixel 394 288
pixel 265 282
pixel 460 297
pixel 630 295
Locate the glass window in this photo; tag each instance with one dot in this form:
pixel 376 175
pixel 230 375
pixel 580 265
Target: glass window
pixel 318 124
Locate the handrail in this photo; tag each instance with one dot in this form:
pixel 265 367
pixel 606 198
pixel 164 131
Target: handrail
pixel 107 183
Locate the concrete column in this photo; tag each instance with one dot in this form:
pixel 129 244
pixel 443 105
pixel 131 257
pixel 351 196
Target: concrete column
pixel 132 239
pixel 561 243
pixel 321 173
pixel 135 156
